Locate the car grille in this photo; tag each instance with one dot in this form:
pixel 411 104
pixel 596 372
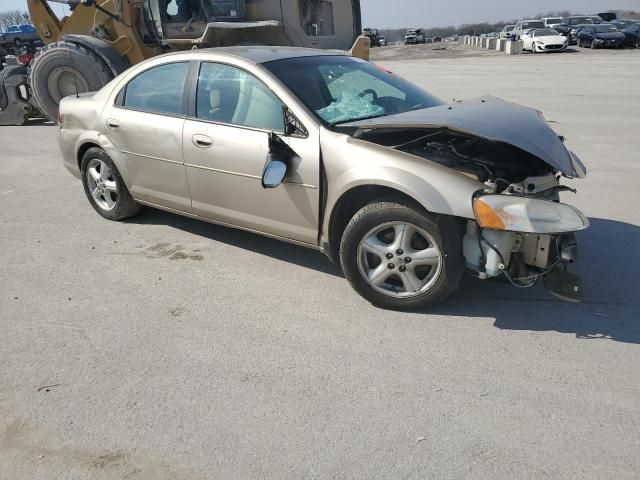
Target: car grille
pixel 556 46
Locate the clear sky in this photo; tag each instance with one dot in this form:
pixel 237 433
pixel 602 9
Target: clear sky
pixel 433 13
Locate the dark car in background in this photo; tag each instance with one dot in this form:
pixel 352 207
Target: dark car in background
pixel 604 35
pixel 18 35
pixel 632 35
pixel 575 31
pixel 570 23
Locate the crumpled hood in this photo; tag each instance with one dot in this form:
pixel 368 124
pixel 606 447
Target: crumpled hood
pixel 490 118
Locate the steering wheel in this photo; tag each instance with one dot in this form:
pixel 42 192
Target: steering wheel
pixel 370 91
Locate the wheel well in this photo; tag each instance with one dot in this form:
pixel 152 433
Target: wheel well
pixel 348 205
pixel 82 150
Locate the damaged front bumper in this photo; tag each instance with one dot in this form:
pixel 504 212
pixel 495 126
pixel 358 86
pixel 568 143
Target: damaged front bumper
pixel 525 240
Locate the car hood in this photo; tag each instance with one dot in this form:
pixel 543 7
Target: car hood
pixel 610 35
pixel 551 39
pixel 492 119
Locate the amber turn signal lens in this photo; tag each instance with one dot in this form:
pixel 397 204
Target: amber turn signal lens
pixel 486 216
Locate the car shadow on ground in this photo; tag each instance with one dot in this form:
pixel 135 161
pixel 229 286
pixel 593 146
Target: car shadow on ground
pixel 609 264
pixel 259 244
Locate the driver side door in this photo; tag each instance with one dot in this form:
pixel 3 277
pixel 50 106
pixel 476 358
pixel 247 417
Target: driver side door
pixel 226 144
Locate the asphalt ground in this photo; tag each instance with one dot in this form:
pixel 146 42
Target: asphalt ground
pixel 165 348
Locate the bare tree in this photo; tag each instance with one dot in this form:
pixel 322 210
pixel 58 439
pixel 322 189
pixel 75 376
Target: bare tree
pixel 13 17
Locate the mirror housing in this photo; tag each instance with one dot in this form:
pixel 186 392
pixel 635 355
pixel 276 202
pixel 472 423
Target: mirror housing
pixel 278 160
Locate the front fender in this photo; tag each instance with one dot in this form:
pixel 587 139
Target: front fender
pixel 351 163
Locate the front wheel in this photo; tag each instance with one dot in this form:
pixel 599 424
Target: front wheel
pixel 105 187
pixel 397 256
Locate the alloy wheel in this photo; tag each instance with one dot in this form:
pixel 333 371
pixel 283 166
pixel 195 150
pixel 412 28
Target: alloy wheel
pixel 399 259
pixel 102 184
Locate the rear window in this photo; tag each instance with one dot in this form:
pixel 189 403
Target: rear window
pixel 317 17
pixel 605 28
pixel 158 90
pixel 579 20
pixel 546 32
pixel 534 24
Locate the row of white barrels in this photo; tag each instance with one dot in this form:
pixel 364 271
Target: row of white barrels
pixel 499 44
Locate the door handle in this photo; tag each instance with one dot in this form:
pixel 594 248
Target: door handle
pixel 112 124
pixel 202 141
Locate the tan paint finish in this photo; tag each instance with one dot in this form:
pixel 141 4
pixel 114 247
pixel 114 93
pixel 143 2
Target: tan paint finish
pixel 162 166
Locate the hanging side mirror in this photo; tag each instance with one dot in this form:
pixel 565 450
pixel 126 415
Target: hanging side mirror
pixel 275 169
pixel 274 174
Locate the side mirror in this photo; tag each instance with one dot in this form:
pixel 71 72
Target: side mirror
pixel 274 173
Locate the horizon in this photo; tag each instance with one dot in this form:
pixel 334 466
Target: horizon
pixel 445 13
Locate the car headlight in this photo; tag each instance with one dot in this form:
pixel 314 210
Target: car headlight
pixel 527 215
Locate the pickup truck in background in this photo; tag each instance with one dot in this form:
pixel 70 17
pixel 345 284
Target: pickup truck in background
pixel 18 35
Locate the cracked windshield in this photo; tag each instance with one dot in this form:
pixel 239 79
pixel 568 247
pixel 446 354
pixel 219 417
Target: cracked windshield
pixel 344 89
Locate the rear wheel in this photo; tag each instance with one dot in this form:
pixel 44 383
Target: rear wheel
pixel 105 187
pixel 399 257
pixel 65 68
pixel 15 108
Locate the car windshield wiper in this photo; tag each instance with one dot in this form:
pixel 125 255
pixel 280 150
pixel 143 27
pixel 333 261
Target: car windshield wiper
pixel 358 119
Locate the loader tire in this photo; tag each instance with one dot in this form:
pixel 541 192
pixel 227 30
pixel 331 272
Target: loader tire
pixel 65 68
pixel 15 108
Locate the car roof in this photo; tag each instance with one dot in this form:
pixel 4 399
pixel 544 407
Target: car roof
pixel 264 54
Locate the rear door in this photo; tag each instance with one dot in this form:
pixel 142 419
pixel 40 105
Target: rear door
pixel 226 143
pixel 145 125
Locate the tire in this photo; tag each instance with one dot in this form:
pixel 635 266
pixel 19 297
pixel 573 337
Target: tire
pixel 15 109
pixel 121 204
pixel 65 68
pixel 440 240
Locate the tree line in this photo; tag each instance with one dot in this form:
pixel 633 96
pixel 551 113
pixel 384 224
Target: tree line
pixel 13 17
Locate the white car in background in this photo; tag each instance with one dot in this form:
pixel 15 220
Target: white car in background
pixel 507 31
pixel 551 22
pixel 544 40
pixel 524 26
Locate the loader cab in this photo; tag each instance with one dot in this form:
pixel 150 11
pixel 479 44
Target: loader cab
pixel 180 24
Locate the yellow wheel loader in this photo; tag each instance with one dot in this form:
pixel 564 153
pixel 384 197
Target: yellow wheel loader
pixel 99 39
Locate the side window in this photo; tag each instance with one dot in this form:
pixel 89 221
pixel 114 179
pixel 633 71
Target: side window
pixel 229 95
pixel 158 90
pixel 317 17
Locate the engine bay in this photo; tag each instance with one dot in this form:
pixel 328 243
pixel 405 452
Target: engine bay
pixel 503 167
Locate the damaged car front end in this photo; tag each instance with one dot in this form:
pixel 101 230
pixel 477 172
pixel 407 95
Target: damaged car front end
pixel 518 228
